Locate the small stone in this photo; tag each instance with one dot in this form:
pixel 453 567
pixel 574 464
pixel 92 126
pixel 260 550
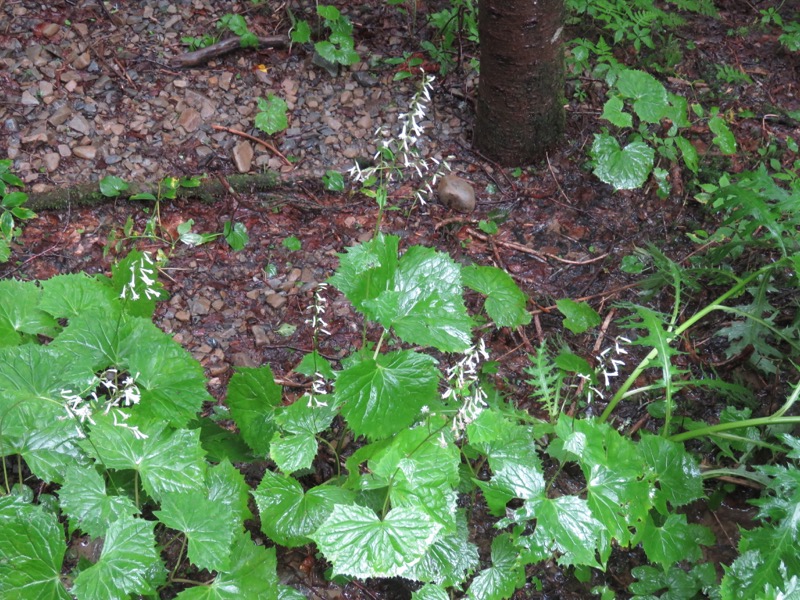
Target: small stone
pixel 183 315
pixel 365 79
pixel 29 99
pixel 180 83
pixel 80 124
pixel 243 359
pixel 64 150
pixel 85 152
pixel 50 30
pixel 276 300
pixel 200 306
pixel 456 193
pixel 190 120
pixel 60 116
pixel 51 161
pixel 350 152
pixel 260 335
pixel 253 294
pixel 81 61
pixel 243 156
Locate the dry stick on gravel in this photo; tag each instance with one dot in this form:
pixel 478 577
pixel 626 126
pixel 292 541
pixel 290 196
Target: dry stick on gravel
pixel 199 57
pixel 264 143
pixel 535 253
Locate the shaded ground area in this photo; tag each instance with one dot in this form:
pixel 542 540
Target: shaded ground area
pixel 98 97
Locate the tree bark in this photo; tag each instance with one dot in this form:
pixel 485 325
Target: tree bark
pixel 521 88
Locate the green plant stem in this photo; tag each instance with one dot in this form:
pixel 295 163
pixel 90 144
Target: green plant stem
pixel 712 429
pixel 335 454
pixel 690 322
pixel 5 476
pixel 179 559
pixel 19 468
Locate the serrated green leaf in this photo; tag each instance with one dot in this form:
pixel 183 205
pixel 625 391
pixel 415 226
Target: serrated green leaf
pixel 567 525
pixel 252 574
pixel 382 396
pixel 288 515
pixel 66 296
pixel 649 95
pixel 271 117
pixel 430 592
pixel 20 312
pixel 167 460
pixel 423 303
pixel 579 315
pixel 360 544
pixel 331 13
pixel 47 448
pixel 206 523
pixel 293 452
pixel 126 566
pixel 253 397
pixel 450 559
pixel 85 501
pixel 722 135
pixel 623 168
pixel 506 574
pixel 301 33
pixel 674 541
pixel 688 153
pixel 677 472
pixel 613 112
pixel 313 363
pixel 220 443
pixel 366 270
pixel 505 302
pixel 226 486
pixel 111 186
pixel 31 552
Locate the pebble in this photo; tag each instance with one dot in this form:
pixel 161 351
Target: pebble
pixel 456 193
pixel 276 300
pixel 85 152
pixel 259 335
pixel 243 156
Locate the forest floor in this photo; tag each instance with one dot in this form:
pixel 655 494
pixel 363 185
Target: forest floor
pixel 89 92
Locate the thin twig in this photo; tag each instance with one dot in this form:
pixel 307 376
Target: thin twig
pixel 539 255
pixel 252 138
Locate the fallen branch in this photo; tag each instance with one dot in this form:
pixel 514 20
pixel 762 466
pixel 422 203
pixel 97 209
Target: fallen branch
pixel 209 190
pixel 199 57
pixel 264 143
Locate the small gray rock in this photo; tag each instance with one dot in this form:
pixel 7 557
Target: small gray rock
pixel 456 193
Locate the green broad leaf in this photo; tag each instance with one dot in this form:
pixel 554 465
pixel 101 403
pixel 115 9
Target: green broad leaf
pixel 675 582
pixel 111 186
pixel 505 302
pixel 252 574
pixel 450 559
pixel 723 137
pixel 676 540
pixel 286 592
pixel 167 460
pixel 292 243
pixel 127 563
pixel 754 571
pixel 567 525
pixel 5 254
pixel 301 32
pixel 271 117
pixel 613 112
pixel 580 316
pixel 289 515
pixel 221 444
pixel 248 40
pixel 206 523
pixel 227 487
pixel 689 153
pixel 333 181
pixel 623 168
pixel 85 500
pixel 430 592
pixel 678 474
pixel 360 544
pixel 328 51
pixel 306 417
pixel 47 448
pixel 382 396
pixel 20 312
pixel 424 303
pixel 67 296
pixel 236 235
pixel 572 363
pixel 366 270
pixel 650 100
pixel 618 500
pixel 313 363
pixel 506 574
pixel 510 481
pixel 253 397
pixel 14 200
pixel 32 549
pixel 135 279
pixel 331 13
pixel 293 452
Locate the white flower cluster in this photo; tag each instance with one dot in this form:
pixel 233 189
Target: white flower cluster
pixel 463 384
pixel 610 364
pixel 115 397
pixel 319 386
pixel 392 156
pixel 144 268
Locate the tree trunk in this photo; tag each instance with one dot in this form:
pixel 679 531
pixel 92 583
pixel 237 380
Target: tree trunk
pixel 521 88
